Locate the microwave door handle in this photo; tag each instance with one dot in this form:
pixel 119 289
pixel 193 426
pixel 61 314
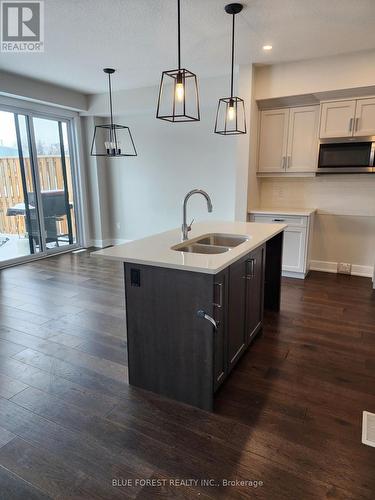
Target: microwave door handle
pixel 372 155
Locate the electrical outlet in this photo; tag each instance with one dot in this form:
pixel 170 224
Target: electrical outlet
pixel 344 268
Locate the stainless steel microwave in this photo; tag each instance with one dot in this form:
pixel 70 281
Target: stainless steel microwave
pixel 347 156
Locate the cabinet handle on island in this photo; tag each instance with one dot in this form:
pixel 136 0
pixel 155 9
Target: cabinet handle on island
pixel 250 274
pixel 219 304
pixel 204 315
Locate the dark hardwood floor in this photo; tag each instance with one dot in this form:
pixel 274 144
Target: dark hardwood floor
pixel 288 419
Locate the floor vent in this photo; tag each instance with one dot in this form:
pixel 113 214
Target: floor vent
pixel 368 428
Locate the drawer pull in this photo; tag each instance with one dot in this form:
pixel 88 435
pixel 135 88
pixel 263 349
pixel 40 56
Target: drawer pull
pixel 250 273
pixel 278 220
pixel 219 305
pixel 204 315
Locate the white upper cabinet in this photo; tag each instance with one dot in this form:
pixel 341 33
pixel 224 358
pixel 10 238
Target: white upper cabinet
pixel 348 118
pixel 273 139
pixel 302 139
pixel 337 119
pixel 288 140
pixel 364 124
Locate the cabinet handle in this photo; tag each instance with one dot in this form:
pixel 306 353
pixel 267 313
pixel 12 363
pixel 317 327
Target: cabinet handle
pixel 219 305
pixel 253 263
pixel 356 124
pixel 283 162
pixel 249 273
pixel 204 315
pixel 289 161
pixel 278 220
pixel 351 124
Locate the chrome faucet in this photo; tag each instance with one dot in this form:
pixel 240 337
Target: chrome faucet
pixel 185 227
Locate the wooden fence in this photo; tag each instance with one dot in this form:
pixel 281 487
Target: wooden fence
pixel 11 189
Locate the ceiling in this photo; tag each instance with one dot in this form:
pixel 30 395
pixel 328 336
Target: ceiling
pixel 138 37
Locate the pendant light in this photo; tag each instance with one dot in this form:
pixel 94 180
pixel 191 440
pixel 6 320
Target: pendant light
pixel 178 94
pixel 230 116
pixel 110 139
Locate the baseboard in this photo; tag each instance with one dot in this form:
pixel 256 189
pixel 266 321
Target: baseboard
pixel 331 267
pixel 290 274
pixel 321 265
pixel 366 271
pixel 106 243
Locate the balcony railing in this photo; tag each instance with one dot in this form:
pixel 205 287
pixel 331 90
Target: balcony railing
pixel 12 194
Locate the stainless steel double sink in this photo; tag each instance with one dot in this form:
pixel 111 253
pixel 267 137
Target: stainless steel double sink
pixel 212 243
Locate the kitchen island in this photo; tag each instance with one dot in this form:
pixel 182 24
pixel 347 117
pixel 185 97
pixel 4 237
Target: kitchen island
pixel 194 307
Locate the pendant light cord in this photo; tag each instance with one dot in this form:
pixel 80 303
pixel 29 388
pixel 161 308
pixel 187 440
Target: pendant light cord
pixel 231 80
pixel 179 32
pixel 112 130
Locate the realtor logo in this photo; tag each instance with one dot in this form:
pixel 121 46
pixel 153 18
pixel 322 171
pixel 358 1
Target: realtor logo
pixel 22 26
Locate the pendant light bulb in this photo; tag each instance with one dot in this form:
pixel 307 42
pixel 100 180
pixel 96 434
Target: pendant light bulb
pixel 180 88
pixel 231 111
pixel 113 148
pixel 180 92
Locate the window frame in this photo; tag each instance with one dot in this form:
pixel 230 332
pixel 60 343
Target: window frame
pixel 71 118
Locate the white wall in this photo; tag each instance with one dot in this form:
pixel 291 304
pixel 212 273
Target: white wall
pixel 41 92
pixel 344 228
pixel 316 75
pixel 345 225
pixel 144 194
pixel 98 228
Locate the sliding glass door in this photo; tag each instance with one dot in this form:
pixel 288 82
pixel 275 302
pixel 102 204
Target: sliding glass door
pixel 37 192
pixel 55 177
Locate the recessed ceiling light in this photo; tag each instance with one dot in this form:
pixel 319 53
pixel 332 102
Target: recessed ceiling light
pixel 267 47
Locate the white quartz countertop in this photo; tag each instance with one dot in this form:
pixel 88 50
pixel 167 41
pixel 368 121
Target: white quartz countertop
pixel 156 250
pixel 305 212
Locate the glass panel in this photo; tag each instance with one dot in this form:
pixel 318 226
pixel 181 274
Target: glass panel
pixel 345 154
pixel 69 180
pixel 55 177
pixel 19 227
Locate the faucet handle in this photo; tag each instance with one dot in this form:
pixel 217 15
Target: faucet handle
pixel 189 226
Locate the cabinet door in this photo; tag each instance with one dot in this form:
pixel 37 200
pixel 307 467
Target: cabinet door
pixel 303 139
pixel 273 139
pixel 237 311
pixel 255 293
pixel 294 251
pixel 220 315
pixel 365 118
pixel 337 119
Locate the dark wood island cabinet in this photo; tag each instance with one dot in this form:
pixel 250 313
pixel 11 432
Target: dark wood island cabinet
pixel 177 351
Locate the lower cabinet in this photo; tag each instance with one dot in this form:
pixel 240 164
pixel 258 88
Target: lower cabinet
pixel 297 240
pixel 255 293
pixel 245 303
pixel 186 330
pixel 237 310
pixel 220 300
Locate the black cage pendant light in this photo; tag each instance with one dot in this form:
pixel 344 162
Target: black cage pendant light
pixel 110 139
pixel 230 116
pixel 178 95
